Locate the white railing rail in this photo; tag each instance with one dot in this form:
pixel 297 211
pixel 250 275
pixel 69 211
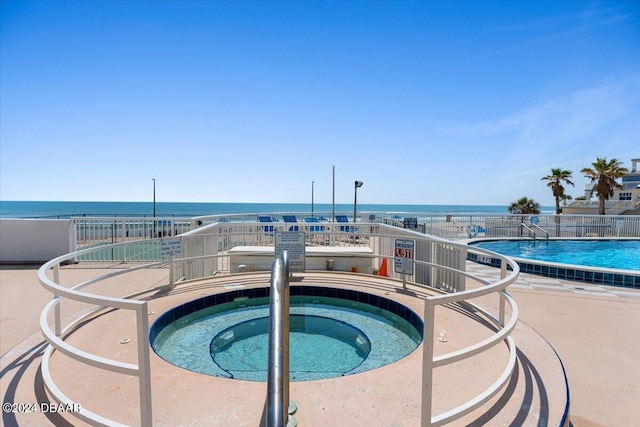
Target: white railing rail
pixel 503 334
pixel 56 338
pixel 89 232
pixel 439 263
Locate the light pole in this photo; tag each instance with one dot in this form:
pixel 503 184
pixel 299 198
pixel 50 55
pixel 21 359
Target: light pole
pixel 333 199
pixel 312 199
pixel 154 206
pixel 358 184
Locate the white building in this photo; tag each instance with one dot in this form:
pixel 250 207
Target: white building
pixel 625 201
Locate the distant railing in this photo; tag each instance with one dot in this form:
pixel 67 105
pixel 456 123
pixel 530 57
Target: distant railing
pixel 94 231
pixel 90 232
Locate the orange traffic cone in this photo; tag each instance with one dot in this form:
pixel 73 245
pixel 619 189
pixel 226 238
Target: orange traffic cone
pixel 383 268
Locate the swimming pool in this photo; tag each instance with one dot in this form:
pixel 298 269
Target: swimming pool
pixel 334 333
pixel 619 254
pixel 609 262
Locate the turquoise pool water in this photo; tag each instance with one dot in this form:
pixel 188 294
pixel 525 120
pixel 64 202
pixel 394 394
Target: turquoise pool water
pixel 330 337
pixel 618 254
pixel 240 350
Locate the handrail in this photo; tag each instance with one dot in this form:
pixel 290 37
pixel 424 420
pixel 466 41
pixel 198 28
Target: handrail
pixel 428 258
pixel 278 366
pixel 532 233
pixel 503 334
pixel 56 341
pixel 541 229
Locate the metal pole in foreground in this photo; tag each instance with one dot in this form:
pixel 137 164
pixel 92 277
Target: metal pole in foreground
pixel 278 404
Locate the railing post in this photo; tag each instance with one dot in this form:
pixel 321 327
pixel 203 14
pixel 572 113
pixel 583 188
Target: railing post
pixel 144 368
pixel 427 363
pixel 58 316
pixel 503 299
pixel 171 271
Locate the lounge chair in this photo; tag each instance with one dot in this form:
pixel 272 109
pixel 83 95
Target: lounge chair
pixel 345 228
pixel 267 228
pixel 291 219
pixel 314 228
pixel 318 232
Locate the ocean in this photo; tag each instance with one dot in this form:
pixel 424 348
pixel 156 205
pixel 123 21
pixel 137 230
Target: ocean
pixel 38 209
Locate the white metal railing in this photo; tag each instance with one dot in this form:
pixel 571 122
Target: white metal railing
pixel 95 231
pixel 56 338
pixel 438 263
pixel 89 232
pixel 503 334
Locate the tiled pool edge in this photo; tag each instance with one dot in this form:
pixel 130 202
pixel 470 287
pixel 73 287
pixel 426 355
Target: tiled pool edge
pixel 357 296
pixel 599 276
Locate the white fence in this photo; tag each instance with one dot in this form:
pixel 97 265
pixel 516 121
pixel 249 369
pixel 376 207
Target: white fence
pixel 438 263
pixel 89 232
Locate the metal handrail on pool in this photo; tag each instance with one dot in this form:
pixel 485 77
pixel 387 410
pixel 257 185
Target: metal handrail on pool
pixel 442 251
pixel 278 364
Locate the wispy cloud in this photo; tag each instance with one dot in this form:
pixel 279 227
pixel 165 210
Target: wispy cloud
pixel 570 118
pixel 556 27
pixel 568 131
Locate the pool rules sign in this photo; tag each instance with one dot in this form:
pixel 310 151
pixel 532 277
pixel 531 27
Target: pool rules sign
pixel 403 256
pixel 294 243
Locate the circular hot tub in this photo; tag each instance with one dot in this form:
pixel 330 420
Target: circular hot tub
pixel 333 332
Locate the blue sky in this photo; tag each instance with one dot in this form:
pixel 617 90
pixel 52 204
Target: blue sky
pixel 425 102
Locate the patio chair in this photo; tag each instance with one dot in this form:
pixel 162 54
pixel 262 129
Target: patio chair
pixel 345 228
pixel 314 228
pixel 266 228
pixel 317 231
pixel 291 219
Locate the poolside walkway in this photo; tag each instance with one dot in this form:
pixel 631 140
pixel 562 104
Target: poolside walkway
pixel 595 330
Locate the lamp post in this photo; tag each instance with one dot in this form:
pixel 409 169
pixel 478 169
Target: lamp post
pixel 333 199
pixel 311 198
pixel 154 206
pixel 358 184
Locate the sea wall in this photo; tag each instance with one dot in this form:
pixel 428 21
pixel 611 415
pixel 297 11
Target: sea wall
pixel 33 240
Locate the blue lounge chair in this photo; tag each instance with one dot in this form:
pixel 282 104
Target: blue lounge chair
pixel 291 219
pixel 266 228
pixel 344 228
pixel 314 228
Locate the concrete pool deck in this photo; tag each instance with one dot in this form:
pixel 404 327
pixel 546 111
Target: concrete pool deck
pixel 594 329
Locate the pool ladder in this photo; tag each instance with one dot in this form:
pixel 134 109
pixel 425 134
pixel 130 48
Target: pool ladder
pixel 279 409
pixel 532 232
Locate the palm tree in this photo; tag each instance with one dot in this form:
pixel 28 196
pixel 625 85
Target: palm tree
pixel 604 174
pixel 555 180
pixel 525 206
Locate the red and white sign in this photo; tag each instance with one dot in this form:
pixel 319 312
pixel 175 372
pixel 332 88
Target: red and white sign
pixel 403 260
